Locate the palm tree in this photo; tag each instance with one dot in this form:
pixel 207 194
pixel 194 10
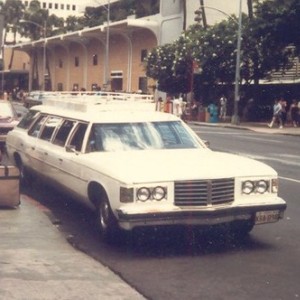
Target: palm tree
pixel 13 11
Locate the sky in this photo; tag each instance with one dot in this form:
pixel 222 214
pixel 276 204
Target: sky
pixel 213 16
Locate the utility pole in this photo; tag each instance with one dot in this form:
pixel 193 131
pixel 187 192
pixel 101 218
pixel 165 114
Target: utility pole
pixel 235 118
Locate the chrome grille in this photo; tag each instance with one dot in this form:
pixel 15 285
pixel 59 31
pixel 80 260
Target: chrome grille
pixel 204 192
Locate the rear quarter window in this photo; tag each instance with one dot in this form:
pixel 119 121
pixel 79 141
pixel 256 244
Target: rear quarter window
pixel 28 119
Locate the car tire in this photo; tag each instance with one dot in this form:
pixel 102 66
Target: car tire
pixel 241 229
pixel 106 221
pixel 25 177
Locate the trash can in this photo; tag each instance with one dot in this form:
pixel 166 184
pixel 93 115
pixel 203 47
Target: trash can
pixel 212 109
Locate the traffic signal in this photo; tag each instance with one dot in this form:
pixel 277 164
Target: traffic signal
pixel 198 16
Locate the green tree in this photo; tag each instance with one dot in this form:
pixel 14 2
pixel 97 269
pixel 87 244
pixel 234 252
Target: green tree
pixel 13 11
pixel 171 77
pixel 38 24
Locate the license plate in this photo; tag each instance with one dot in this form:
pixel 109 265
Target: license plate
pixel 270 216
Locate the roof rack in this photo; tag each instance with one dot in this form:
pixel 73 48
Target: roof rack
pixel 104 101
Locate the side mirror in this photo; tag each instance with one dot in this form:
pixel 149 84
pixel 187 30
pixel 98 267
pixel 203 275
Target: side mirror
pixel 71 148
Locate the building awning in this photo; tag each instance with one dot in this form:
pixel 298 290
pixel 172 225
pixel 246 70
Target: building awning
pixel 124 26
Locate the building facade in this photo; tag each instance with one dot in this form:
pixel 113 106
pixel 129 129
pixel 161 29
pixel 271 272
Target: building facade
pixel 109 56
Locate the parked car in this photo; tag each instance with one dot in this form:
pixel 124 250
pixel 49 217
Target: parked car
pixel 8 120
pixel 138 167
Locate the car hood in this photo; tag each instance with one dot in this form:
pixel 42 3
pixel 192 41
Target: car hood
pixel 171 165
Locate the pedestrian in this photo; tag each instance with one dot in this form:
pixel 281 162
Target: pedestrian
pixel 294 111
pixel 212 109
pixel 276 114
pixel 177 106
pixel 223 107
pixel 299 112
pixel 283 113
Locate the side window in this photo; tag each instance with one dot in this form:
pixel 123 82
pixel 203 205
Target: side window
pixel 78 136
pixel 49 128
pixel 63 133
pixel 95 140
pixel 28 119
pixel 35 129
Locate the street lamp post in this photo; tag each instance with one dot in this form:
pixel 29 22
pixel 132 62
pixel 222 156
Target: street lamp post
pixel 235 118
pixel 43 28
pixel 107 46
pixel 106 71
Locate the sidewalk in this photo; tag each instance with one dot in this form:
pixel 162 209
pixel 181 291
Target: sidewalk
pixel 36 262
pixel 257 127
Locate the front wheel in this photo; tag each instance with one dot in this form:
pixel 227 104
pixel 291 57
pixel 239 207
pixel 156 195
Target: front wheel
pixel 107 223
pixel 241 229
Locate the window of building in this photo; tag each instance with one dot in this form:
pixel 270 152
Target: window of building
pixel 60 87
pixel 44 5
pixel 26 3
pixel 56 6
pixel 50 5
pixel 144 54
pixel 75 87
pixel 116 80
pixel 62 6
pixel 143 84
pixel 68 6
pixel 73 7
pixel 76 62
pixel 95 60
pixel 60 63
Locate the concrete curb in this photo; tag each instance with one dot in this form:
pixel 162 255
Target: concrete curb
pixel 257 127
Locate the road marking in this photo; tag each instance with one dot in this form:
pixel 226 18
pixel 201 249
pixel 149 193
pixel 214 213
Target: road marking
pixel 289 179
pixel 293 161
pixel 238 134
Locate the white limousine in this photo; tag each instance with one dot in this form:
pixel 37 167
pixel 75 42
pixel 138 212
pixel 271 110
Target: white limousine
pixel 138 167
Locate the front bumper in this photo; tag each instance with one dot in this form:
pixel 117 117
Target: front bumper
pixel 196 216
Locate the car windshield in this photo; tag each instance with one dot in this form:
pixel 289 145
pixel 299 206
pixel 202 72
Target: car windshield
pixel 141 136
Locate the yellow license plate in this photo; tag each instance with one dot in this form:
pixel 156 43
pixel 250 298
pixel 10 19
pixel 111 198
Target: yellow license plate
pixel 270 216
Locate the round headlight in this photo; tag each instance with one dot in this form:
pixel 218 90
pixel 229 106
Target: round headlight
pixel 158 193
pixel 143 194
pixel 262 186
pixel 248 187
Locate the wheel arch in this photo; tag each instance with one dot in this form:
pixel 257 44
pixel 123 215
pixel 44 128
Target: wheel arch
pixel 96 192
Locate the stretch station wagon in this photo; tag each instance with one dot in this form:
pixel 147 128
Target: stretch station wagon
pixel 137 167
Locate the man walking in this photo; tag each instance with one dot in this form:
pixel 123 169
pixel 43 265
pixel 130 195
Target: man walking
pixel 277 110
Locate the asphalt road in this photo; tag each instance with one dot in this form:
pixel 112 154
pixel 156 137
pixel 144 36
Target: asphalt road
pixel 180 264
